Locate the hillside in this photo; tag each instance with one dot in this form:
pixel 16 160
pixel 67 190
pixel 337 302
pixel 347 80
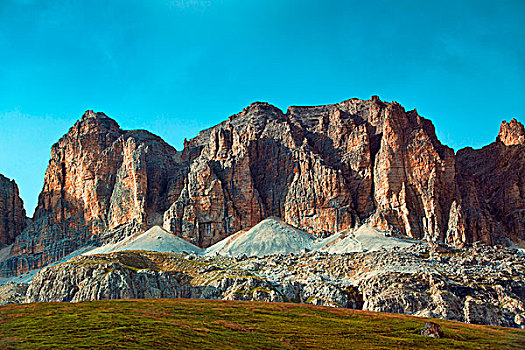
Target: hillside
pixel 482 285
pixel 207 324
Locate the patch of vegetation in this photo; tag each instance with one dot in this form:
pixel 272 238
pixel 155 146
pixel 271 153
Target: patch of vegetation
pixel 212 324
pixel 81 262
pixel 260 289
pixel 133 268
pixel 310 299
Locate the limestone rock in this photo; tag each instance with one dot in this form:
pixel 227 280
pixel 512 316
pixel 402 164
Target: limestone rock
pixel 512 133
pixel 102 184
pixel 321 169
pixel 11 293
pixel 492 185
pixel 13 218
pixel 132 275
pixel 479 284
pixel 431 329
pixel 414 176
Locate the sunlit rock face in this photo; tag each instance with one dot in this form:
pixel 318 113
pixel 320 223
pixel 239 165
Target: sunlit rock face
pixel 511 133
pixel 322 169
pixel 13 218
pixel 101 183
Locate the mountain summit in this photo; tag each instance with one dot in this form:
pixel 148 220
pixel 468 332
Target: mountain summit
pixel 321 169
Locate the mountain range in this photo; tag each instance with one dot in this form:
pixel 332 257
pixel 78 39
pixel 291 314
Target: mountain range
pixel 322 170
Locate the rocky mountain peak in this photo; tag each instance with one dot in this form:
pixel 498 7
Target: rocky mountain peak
pixel 322 169
pixel 262 106
pixel 91 114
pixel 96 122
pixel 511 133
pixel 88 137
pixel 375 98
pixel 101 183
pixel 258 110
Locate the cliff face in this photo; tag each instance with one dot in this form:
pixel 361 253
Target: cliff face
pixel 13 218
pixel 102 183
pixel 322 169
pixel 492 183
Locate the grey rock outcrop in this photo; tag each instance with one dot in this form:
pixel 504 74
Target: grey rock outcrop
pixel 13 293
pixel 482 285
pixel 110 277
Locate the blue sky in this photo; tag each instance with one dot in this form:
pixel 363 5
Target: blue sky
pixel 175 67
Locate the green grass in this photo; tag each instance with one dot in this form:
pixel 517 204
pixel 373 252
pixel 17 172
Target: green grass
pixel 211 324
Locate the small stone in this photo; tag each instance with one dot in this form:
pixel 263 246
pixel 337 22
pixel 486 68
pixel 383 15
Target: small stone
pixel 431 329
